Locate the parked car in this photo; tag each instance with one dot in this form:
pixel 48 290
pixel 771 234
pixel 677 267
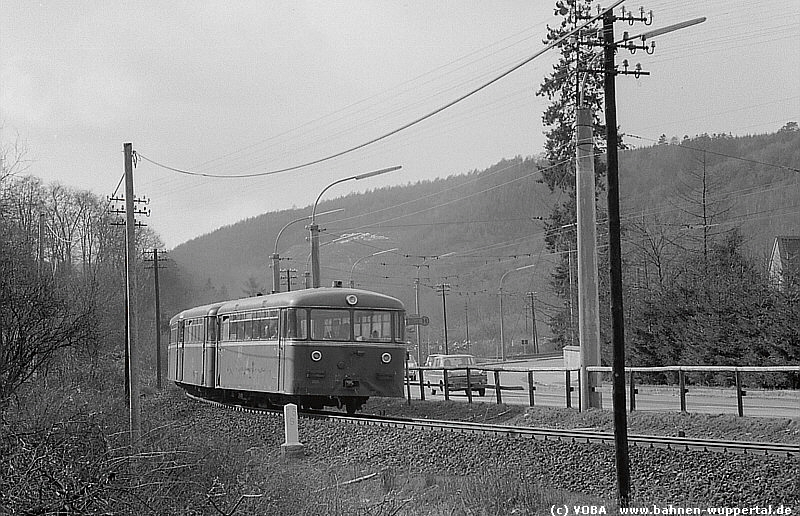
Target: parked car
pixel 411 364
pixel 456 366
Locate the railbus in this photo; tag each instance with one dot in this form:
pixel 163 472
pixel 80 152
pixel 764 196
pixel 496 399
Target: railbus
pixel 315 347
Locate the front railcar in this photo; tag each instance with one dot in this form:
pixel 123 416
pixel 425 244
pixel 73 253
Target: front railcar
pixel 343 346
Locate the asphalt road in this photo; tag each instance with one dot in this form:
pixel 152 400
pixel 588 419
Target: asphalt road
pixel 551 391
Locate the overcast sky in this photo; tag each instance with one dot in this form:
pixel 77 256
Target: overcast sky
pixel 248 87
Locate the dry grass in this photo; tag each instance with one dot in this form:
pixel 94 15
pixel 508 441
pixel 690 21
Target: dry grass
pixel 73 456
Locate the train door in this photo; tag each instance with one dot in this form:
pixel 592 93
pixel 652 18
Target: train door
pixel 209 352
pixel 203 341
pixel 294 328
pixel 179 353
pixel 281 344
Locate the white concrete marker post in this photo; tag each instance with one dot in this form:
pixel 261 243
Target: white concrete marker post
pixel 292 447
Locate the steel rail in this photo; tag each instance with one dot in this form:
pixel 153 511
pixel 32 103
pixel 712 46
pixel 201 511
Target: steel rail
pixel 539 434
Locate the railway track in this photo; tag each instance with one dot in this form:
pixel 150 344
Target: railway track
pixel 540 434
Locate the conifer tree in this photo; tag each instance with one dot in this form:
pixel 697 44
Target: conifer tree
pixel 563 88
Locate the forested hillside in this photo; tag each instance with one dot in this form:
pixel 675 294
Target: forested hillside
pixel 680 197
pixel 749 183
pixel 485 222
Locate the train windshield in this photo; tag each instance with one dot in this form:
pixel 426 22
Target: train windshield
pixel 346 325
pixel 372 325
pixel 330 324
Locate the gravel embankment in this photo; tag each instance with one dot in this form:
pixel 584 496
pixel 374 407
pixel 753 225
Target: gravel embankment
pixel 658 476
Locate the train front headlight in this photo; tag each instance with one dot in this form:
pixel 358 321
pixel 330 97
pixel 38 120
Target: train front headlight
pixel 386 358
pixel 316 355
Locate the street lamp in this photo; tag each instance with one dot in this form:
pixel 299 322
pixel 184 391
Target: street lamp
pixel 444 288
pixel 500 291
pixel 306 274
pixel 276 259
pixel 313 228
pixel 353 268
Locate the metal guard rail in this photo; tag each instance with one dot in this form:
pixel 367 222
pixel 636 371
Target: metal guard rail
pixel 681 370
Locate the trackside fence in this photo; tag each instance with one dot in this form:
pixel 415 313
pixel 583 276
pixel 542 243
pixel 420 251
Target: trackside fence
pixel 571 380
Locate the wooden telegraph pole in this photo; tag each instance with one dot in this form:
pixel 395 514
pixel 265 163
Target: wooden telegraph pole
pixel 615 257
pixel 134 405
pixel 157 301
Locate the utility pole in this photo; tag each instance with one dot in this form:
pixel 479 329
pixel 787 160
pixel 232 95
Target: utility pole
pixel 289 277
pixel 444 288
pixel 416 311
pixel 134 405
pixel 588 298
pixel 158 319
pixel 535 332
pixel 275 258
pixel 466 322
pixel 571 298
pixel 615 257
pixel 157 316
pixel 610 71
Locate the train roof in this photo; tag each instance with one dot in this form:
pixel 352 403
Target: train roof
pixel 312 297
pixel 198 311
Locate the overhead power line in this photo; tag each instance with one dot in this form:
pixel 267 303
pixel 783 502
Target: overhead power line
pixel 436 111
pixel 683 146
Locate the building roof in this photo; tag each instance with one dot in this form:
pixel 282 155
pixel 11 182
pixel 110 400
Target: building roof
pixel 784 263
pixel 788 249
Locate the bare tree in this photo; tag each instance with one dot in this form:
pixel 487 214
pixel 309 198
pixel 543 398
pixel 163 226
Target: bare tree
pixel 702 208
pixel 36 319
pixel 654 247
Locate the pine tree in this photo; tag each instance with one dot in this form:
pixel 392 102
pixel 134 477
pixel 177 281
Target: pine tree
pixel 563 88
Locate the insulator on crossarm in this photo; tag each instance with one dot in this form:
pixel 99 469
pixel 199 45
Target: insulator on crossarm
pixel 649 19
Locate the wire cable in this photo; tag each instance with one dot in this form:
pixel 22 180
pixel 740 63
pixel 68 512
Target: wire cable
pixel 757 162
pixel 436 111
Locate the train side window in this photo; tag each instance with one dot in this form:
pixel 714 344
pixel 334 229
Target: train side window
pixel 269 327
pixel 272 325
pixel 211 329
pixel 399 327
pixel 234 328
pixel 295 324
pixel 258 327
pixel 224 328
pixel 248 329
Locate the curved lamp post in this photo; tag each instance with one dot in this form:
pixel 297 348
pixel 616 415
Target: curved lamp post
pixel 313 228
pixel 276 259
pixel 500 291
pixel 353 268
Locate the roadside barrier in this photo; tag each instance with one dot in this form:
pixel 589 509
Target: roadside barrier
pixel 572 373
